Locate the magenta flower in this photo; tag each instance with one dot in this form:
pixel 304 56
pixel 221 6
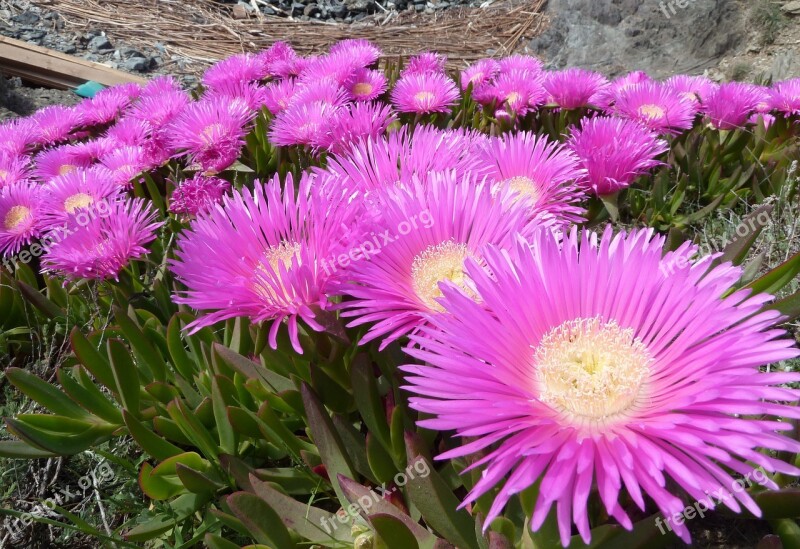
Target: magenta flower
pixel 108 104
pixel 363 52
pixel 260 255
pixel 60 161
pixel 243 67
pixel 424 93
pixel 730 105
pixel 518 92
pixel 238 94
pixel 333 68
pixel 305 124
pixel 278 95
pixel 211 132
pixel 574 88
pixel 425 63
pixel 597 388
pixel 68 194
pixel 324 92
pixel 20 216
pixel 615 152
pixel 785 96
pixel 695 89
pixel 657 106
pixel 606 98
pixel 197 195
pixel 13 168
pixel 159 104
pixel 99 246
pixel 365 85
pixel 374 164
pixel 55 123
pixel 357 122
pixel 543 174
pixel 17 137
pixel 129 132
pixel 523 63
pixel 479 73
pixel 281 61
pixel 124 164
pixel 422 237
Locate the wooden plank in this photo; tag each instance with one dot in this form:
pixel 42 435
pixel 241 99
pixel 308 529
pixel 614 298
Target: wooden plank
pixel 51 68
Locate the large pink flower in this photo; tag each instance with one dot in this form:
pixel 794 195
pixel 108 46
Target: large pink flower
pixel 423 234
pixel 590 360
pixel 259 255
pixel 657 106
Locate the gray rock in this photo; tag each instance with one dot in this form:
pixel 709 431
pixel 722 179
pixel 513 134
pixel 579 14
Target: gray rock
pixel 26 18
pixel 785 65
pixel 137 64
pixel 100 44
pixel 623 35
pixel 792 8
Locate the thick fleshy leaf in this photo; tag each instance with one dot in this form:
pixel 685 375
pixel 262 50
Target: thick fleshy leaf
pixel 261 520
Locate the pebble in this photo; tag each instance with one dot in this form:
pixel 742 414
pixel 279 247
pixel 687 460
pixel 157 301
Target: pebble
pixel 100 44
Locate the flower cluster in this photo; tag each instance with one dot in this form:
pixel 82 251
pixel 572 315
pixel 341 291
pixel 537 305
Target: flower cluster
pixel 562 356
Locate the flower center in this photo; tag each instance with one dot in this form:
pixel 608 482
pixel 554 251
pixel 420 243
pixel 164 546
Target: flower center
pixel 64 169
pixel 268 283
pixel 424 97
pixel 651 112
pixel 591 370
pixel 15 217
pixel 512 99
pixel 283 253
pixel 523 187
pixel 210 133
pixel 77 201
pixel 436 264
pixel 362 88
pixel 3 174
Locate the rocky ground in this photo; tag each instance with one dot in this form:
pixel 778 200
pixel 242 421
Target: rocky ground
pixel 345 11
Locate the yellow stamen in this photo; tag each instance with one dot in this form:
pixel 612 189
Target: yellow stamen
pixel 523 187
pixel 77 202
pixel 15 217
pixel 362 88
pixel 274 256
pixel 436 264
pixel 590 370
pixel 64 169
pixel 651 112
pixel 424 97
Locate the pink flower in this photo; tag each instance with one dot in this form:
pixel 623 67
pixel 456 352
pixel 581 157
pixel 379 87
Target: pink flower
pixel 432 229
pixel 259 255
pixel 576 362
pixel 305 124
pixel 68 194
pixel 518 92
pixel 695 89
pixel 278 95
pixel 100 246
pixel 60 161
pixel 574 88
pixel 355 123
pixel 197 195
pixel 240 68
pixel 730 105
pixel 425 63
pixel 479 73
pixel 424 93
pixel 124 164
pixel 20 216
pixel 365 85
pixel 520 63
pixel 211 132
pixel 785 96
pixel 544 175
pixel 363 52
pixel 606 98
pixel 55 123
pixel 13 169
pixel 657 106
pixel 615 152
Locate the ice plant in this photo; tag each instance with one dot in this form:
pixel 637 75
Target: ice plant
pixel 363 52
pixel 785 96
pixel 424 93
pixel 615 152
pixel 518 92
pixel 108 104
pixel 278 95
pixel 13 168
pixel 357 122
pixel 624 376
pixel 197 195
pixel 730 105
pixel 68 194
pixel 574 88
pixel 479 73
pixel 423 234
pixel 211 132
pixel 304 124
pixel 59 161
pixel 695 89
pixel 20 216
pixel 543 174
pixel 55 123
pixel 260 255
pixel 425 63
pixel 608 96
pixel 244 67
pixel 125 163
pixel 657 106
pixel 365 85
pixel 99 246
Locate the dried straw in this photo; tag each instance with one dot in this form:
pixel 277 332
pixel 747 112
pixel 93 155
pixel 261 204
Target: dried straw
pixel 203 31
